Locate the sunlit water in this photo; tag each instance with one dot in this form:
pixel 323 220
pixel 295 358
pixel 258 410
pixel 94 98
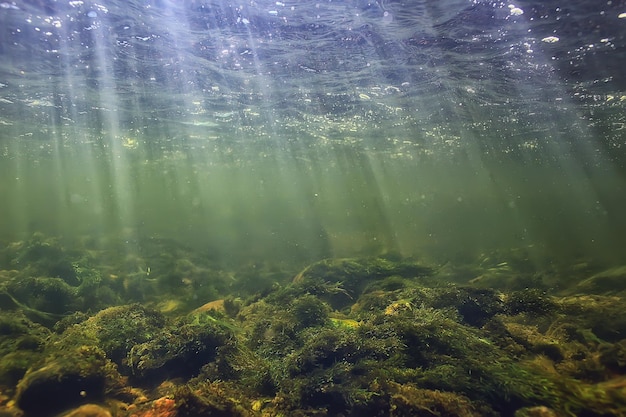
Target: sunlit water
pixel 298 130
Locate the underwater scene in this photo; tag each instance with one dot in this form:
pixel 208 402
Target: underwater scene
pixel 342 208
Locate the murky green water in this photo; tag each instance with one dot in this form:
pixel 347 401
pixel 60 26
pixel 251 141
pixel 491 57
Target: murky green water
pixel 295 131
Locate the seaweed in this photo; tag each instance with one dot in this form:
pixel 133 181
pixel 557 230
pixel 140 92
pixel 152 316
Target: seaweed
pixel 347 337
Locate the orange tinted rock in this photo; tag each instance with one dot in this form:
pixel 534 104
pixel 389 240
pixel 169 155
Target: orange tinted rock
pixel 217 305
pixel 89 410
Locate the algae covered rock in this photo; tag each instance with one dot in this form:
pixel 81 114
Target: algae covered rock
pixel 354 275
pixel 209 399
pixel 602 315
pixel 116 330
pixel 179 349
pixel 48 281
pixel 144 344
pixel 21 344
pixel 610 281
pixel 409 401
pixel 42 256
pixel 51 295
pixel 538 411
pixel 81 364
pixel 64 380
pixel 309 311
pixel 532 301
pixel 475 305
pixel 88 410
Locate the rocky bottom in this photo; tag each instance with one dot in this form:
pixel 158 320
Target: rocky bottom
pixel 101 333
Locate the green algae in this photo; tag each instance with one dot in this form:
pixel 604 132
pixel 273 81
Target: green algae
pixel 394 342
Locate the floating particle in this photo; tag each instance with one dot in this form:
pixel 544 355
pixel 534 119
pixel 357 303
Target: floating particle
pixel 550 39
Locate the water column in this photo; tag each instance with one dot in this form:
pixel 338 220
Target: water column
pixel 109 109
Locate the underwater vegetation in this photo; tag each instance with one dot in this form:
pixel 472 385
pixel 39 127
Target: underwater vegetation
pixel 88 332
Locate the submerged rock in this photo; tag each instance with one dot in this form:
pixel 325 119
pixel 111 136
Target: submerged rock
pixel 88 410
pixel 21 344
pixel 610 281
pixel 354 275
pixel 180 349
pixel 79 365
pixel 348 337
pixel 115 330
pixel 596 318
pixel 64 380
pixel 409 401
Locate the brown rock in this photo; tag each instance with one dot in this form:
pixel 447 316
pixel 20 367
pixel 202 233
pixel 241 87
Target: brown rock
pixel 88 410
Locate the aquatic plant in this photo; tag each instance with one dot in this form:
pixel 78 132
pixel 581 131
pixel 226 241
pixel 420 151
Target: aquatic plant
pixel 178 349
pixel 21 345
pixel 531 301
pixel 400 345
pixel 65 379
pixel 309 311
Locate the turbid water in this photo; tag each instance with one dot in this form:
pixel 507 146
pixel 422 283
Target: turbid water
pixel 300 130
pixel 312 208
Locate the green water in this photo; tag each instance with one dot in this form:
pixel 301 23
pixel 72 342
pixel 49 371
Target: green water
pixel 298 204
pixel 279 132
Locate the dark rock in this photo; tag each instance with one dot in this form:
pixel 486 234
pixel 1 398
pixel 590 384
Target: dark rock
pixel 475 305
pixel 65 380
pixel 606 282
pixel 354 275
pixel 178 350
